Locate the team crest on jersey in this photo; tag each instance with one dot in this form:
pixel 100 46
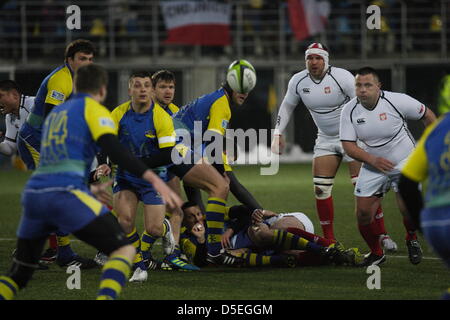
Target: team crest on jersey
pixel 421 109
pixel 383 116
pixel 327 90
pixel 57 95
pixel 305 90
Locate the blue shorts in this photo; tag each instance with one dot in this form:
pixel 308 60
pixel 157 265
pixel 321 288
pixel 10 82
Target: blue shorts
pixel 144 192
pixel 29 146
pixel 435 224
pixel 64 210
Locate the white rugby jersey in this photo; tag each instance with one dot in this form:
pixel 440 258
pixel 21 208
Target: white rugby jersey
pixel 13 123
pixel 383 130
pixel 324 99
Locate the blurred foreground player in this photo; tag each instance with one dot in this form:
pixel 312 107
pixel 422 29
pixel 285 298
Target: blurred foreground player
pixel 57 196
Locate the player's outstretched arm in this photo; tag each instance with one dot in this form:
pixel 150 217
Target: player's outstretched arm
pixel 122 157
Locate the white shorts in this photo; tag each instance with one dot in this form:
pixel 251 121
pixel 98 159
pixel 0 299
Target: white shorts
pixel 372 182
pixel 330 145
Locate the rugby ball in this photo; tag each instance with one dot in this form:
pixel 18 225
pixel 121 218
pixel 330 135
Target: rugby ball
pixel 241 76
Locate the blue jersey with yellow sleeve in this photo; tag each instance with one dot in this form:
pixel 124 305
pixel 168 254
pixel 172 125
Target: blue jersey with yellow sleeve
pixel 212 110
pixel 431 159
pixel 68 144
pixel 171 109
pixel 55 89
pixel 144 134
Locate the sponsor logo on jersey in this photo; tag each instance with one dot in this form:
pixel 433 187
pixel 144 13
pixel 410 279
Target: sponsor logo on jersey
pixel 360 121
pixel 305 90
pixel 224 124
pixel 327 90
pixel 383 116
pixel 106 122
pixel 57 95
pixel 150 134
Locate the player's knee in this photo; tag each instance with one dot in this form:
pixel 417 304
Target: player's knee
pixel 323 187
pixel 128 251
pixel 364 216
pixel 127 223
pixel 220 189
pixel 155 230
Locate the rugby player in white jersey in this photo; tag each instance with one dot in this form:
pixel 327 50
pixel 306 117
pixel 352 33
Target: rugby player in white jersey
pixel 377 118
pixel 16 107
pixel 324 90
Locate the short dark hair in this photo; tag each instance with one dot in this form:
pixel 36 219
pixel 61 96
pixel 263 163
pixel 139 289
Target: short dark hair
pixel 368 70
pixel 139 74
pixel 90 78
pixel 188 204
pixel 79 45
pixel 163 75
pixel 8 85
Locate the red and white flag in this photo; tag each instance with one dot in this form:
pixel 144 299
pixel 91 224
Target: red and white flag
pixel 197 22
pixel 308 17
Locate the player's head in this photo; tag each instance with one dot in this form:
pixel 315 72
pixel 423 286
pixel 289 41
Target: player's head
pixel 192 214
pixel 140 87
pixel 163 82
pixel 79 53
pixel 240 80
pixel 92 79
pixel 368 86
pixel 316 57
pixel 9 96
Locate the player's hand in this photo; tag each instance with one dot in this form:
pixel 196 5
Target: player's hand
pixel 382 164
pixel 171 199
pixel 198 230
pixel 226 238
pixel 102 170
pixel 102 192
pixel 278 144
pixel 257 216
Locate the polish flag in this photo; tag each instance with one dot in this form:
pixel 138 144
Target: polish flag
pixel 308 17
pixel 193 22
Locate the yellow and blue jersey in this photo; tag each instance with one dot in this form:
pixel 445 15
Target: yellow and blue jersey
pixel 431 159
pixel 68 144
pixel 144 134
pixel 171 109
pixel 212 111
pixel 55 89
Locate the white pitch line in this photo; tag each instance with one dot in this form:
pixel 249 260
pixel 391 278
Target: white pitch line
pixel 425 258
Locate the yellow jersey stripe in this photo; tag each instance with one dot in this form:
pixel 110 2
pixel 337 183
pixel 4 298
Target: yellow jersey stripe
pixel 89 201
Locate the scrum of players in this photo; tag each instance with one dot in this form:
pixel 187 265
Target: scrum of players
pixel 72 142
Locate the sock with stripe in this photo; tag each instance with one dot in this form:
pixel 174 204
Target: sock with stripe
pixel 378 223
pixel 260 260
pixel 325 211
pixel 287 241
pixel 114 276
pixel 53 241
pixel 311 237
pixel 8 288
pixel 371 239
pixel 410 230
pixel 215 215
pixel 147 241
pixel 65 252
pixel 135 240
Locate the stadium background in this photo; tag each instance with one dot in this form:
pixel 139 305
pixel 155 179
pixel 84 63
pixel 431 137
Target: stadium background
pixel 410 49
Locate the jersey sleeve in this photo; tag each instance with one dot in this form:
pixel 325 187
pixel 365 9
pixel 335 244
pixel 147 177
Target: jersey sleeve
pixel 348 83
pixel 165 131
pixel 11 130
pixel 59 88
pixel 411 108
pixel 98 119
pixel 347 131
pixel 219 115
pixel 416 167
